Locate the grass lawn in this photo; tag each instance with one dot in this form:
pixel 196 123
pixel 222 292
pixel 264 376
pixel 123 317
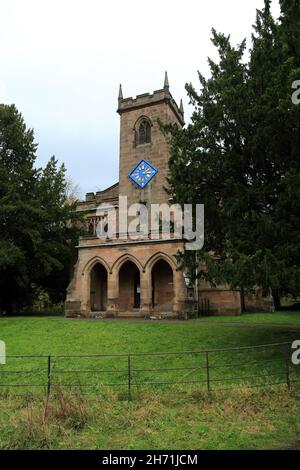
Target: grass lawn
pixel 36 335
pixel 178 416
pixel 292 318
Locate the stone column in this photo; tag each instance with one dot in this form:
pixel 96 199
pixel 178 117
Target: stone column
pixel 85 281
pixel 146 293
pixel 179 294
pixel 112 294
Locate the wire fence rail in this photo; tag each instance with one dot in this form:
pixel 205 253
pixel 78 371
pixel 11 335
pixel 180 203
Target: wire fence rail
pixel 209 370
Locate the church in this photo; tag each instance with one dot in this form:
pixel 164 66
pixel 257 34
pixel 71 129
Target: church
pixel 115 277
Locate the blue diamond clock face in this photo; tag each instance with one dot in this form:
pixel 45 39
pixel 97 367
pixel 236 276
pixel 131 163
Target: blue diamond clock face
pixel 143 173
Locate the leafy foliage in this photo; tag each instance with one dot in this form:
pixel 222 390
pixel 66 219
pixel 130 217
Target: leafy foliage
pixel 240 158
pixel 37 230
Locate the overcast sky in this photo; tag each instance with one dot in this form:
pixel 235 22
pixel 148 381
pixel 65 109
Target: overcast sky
pixel 62 61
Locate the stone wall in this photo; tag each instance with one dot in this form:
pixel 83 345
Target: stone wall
pixel 222 301
pixel 113 256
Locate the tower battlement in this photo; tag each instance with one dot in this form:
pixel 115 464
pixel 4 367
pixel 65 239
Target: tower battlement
pixel 148 99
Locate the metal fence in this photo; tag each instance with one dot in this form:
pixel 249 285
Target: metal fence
pixel 209 370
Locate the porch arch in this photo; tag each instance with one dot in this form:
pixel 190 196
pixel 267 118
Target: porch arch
pixel 86 285
pixel 162 285
pixel 129 283
pixel 92 262
pixel 156 257
pixel 98 284
pixel 123 259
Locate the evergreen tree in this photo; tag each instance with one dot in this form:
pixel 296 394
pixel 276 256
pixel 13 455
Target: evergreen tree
pixel 36 233
pixel 240 157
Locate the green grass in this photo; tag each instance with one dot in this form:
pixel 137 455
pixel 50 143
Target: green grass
pixel 62 336
pixel 178 416
pixel 292 318
pixel 244 419
pixel 53 336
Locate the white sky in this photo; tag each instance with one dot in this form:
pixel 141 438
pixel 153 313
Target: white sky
pixel 61 63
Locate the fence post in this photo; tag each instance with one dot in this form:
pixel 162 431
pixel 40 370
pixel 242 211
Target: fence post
pixel 129 377
pixel 287 365
pixel 207 371
pixel 49 376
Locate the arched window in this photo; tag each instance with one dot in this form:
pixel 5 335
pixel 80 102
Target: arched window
pixel 143 133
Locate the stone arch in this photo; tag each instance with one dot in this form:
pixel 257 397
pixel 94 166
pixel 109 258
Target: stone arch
pixel 86 284
pixel 129 286
pixel 162 275
pixel 123 259
pixel 98 283
pixel 156 257
pixel 92 263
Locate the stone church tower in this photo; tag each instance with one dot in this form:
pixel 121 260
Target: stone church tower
pixel 117 277
pixel 141 115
